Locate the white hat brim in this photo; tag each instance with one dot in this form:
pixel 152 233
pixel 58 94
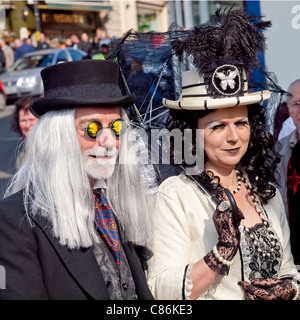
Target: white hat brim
pixel 196 103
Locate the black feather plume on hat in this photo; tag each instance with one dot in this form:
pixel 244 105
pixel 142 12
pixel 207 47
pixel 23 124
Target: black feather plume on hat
pixel 234 37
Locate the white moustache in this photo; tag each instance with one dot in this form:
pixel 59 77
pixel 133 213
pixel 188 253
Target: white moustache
pixel 102 152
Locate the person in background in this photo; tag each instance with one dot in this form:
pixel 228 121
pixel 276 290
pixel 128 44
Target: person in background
pixel 281 114
pixel 55 43
pixel 75 41
pixel 287 127
pixel 23 48
pixel 94 45
pixel 76 216
pixel 101 55
pixel 22 122
pixel 17 44
pixel 2 61
pixel 293 194
pixel 8 54
pixel 68 43
pixel 84 43
pixel 102 37
pixel 285 145
pixel 28 41
pixel 42 43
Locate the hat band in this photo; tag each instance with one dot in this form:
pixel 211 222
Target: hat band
pixel 85 91
pixel 208 95
pixel 193 85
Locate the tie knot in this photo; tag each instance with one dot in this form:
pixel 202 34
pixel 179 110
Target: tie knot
pixel 100 199
pixel 98 191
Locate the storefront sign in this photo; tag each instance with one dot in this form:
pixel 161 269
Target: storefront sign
pixel 67 18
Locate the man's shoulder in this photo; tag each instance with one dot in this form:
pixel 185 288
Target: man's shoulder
pixel 12 206
pixel 284 143
pixel 287 137
pixel 16 196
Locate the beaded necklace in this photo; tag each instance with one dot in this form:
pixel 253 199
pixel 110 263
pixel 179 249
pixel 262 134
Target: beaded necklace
pixel 238 176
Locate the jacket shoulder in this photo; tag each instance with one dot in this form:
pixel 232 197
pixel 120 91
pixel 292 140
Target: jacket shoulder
pixel 12 209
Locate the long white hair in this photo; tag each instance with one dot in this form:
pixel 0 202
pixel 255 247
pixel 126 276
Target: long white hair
pixel 56 186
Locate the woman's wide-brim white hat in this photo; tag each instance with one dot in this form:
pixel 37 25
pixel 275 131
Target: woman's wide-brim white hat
pixel 194 95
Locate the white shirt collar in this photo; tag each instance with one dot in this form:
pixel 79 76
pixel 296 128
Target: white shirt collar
pixel 101 183
pixel 294 138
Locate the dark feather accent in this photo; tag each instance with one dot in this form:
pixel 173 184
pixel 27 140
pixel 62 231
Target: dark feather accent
pixel 233 36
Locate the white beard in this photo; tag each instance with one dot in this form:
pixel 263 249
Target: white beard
pixel 97 165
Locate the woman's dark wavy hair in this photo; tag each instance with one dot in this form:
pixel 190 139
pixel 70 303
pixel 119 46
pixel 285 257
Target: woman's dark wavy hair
pixel 259 161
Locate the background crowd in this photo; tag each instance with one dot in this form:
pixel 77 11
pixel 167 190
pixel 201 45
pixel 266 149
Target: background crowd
pixel 96 47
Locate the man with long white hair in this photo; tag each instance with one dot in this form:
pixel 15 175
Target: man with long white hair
pixel 75 216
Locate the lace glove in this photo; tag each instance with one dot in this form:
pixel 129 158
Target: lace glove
pixel 226 223
pixel 269 289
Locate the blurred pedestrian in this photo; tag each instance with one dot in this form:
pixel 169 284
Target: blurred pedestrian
pixel 17 44
pixel 8 54
pixel 28 41
pixel 293 186
pixel 75 41
pixel 42 43
pixel 23 48
pixel 101 55
pixel 2 61
pixel 282 113
pixel 84 43
pixel 103 37
pixel 68 43
pixel 55 43
pixel 94 45
pixel 22 122
pixel 285 145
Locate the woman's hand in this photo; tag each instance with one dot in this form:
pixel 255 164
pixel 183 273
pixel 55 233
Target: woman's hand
pixel 269 289
pixel 227 226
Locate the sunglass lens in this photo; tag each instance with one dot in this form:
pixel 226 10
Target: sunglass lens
pixel 118 127
pixel 93 128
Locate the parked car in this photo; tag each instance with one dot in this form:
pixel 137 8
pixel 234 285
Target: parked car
pixel 2 96
pixel 24 79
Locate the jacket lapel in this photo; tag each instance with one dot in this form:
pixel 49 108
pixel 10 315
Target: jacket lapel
pixel 142 289
pixel 81 263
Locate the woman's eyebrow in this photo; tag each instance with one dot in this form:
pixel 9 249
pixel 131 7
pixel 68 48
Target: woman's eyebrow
pixel 214 122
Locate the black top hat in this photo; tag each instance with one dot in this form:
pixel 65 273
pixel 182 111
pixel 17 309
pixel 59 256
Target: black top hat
pixel 79 84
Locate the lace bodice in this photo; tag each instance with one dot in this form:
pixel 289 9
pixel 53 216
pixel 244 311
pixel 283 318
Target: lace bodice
pixel 261 251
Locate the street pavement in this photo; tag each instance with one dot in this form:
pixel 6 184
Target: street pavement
pixel 8 147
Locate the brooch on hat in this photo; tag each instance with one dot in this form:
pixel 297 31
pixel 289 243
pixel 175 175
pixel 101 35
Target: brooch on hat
pixel 226 80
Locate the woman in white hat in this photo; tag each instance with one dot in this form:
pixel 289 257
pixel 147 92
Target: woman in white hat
pixel 238 248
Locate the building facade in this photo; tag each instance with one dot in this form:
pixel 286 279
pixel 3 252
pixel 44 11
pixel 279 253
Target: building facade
pixel 63 18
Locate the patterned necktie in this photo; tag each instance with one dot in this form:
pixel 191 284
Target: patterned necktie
pixel 106 224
